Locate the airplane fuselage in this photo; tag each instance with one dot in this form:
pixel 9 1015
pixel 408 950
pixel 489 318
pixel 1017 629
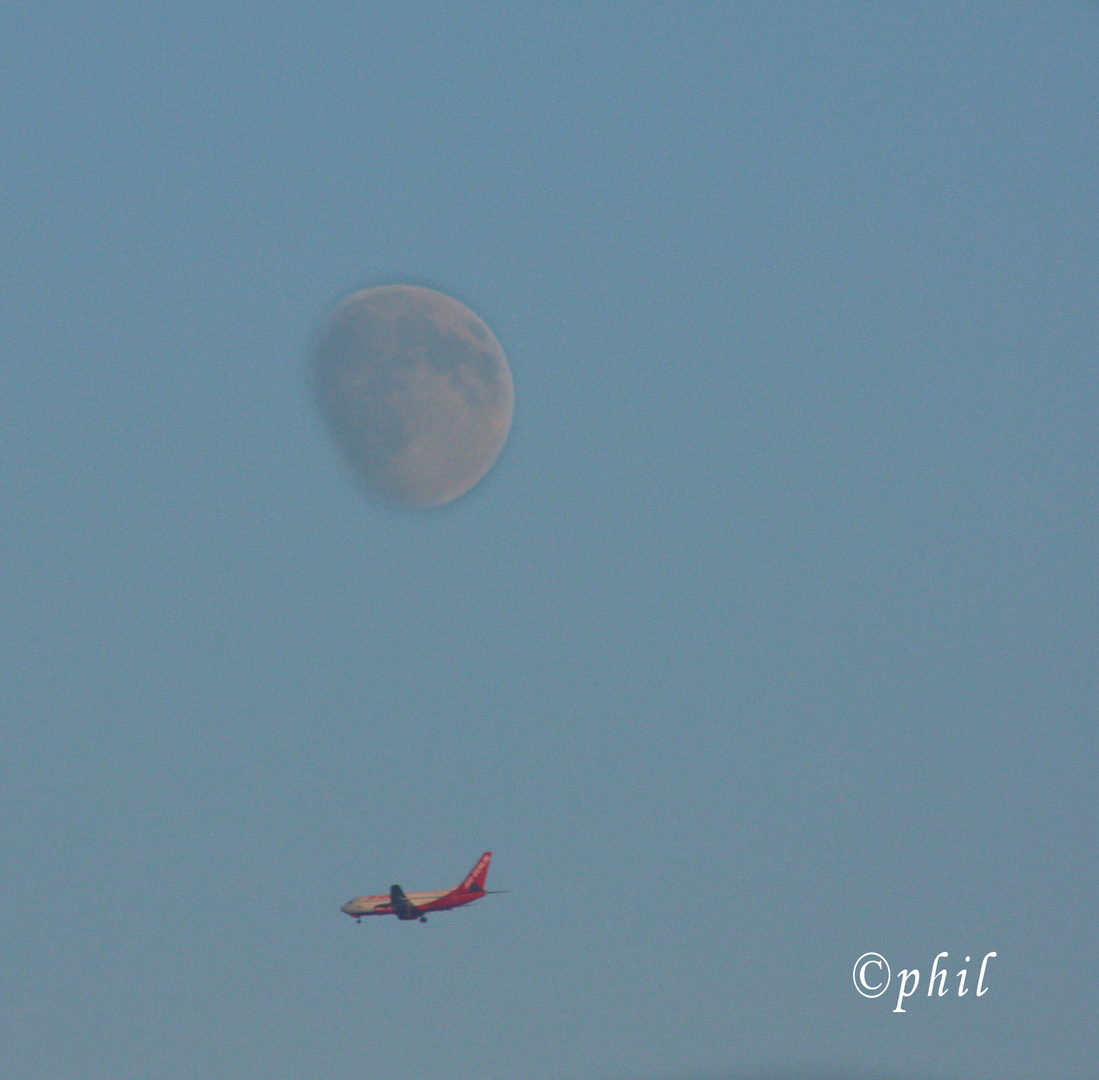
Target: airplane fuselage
pixel 424 902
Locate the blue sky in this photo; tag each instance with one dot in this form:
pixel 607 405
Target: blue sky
pixel 771 638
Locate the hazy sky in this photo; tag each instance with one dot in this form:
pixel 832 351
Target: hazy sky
pixel 771 639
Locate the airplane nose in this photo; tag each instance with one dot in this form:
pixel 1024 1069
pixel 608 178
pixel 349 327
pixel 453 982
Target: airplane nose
pixel 346 909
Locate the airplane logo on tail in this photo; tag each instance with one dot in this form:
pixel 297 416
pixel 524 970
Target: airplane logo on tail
pixel 410 906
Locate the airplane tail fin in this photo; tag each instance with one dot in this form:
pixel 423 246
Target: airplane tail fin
pixel 475 879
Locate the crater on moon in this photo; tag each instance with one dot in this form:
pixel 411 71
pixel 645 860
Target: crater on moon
pixel 416 390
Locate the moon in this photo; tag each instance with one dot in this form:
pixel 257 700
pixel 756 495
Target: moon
pixel 417 392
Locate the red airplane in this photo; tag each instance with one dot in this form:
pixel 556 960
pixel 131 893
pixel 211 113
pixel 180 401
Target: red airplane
pixel 408 906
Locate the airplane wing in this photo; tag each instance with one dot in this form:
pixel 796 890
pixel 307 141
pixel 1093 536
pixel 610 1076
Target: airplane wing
pixel 403 908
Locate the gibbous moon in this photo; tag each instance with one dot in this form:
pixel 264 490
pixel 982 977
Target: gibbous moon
pixel 417 392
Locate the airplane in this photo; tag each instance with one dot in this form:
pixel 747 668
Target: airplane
pixel 410 906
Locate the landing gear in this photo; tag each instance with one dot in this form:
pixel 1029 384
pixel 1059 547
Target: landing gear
pixel 423 918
